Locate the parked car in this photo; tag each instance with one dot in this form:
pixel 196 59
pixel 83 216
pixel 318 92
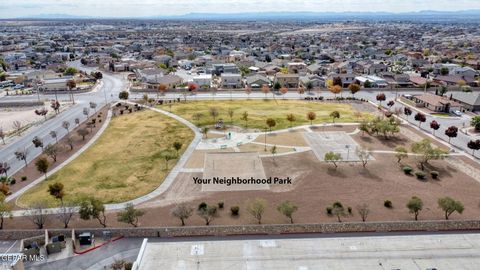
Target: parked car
pixel 457 113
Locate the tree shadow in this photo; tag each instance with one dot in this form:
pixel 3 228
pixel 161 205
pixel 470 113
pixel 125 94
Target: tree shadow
pixel 336 172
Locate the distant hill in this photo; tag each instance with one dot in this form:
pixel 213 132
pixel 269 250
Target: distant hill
pixel 308 16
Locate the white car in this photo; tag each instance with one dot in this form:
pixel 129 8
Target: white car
pixel 457 113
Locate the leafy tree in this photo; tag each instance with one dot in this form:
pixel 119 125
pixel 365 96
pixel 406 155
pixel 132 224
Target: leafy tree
pixel 367 84
pixel 208 213
pixel 427 152
pixel 37 142
pixel 83 132
pixel 407 111
pixel 182 211
pixel 363 210
pixel 415 205
pixel 42 165
pixel 354 88
pixel 70 71
pixel 123 95
pixel 205 132
pixel 444 71
pixel 66 126
pixel 22 155
pixel 167 155
pixel 335 89
pixel 270 123
pixel 256 208
pixel 56 190
pixel 449 205
pixel 421 118
pixel 451 132
pixel 245 118
pixel 338 210
pixel 333 158
pixel 177 146
pixel 364 127
pixel 475 122
pixel 55 105
pixel 474 145
pixel 53 134
pixel 434 125
pixel 42 112
pixel 401 153
pixel 92 208
pixel 287 208
pixel 291 118
pixel 52 150
pixel 334 114
pixel 69 142
pixel 130 215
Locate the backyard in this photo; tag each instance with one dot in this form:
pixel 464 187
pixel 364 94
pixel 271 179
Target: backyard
pixel 126 162
pixel 199 112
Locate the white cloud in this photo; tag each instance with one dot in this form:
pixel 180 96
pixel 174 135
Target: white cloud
pixel 122 8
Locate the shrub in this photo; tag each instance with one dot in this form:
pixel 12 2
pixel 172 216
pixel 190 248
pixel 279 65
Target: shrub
pixel 23 178
pixel 349 210
pixel 420 175
pixel 388 204
pixel 329 210
pixel 12 181
pixel 337 204
pixel 407 170
pixel 434 174
pixel 235 210
pixel 220 205
pixel 202 205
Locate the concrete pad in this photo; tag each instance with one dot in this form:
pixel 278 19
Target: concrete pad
pixel 334 141
pixel 243 165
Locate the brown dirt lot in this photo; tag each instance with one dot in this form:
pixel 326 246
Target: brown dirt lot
pixel 252 147
pixel 317 185
pixel 197 159
pixel 290 138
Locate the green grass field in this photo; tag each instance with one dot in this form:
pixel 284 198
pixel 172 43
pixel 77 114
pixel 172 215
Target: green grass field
pixel 124 163
pixel 260 110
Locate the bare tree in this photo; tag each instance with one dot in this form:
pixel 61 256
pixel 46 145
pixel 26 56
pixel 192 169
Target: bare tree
pixel 86 112
pixel 182 211
pixel 69 142
pixel 256 208
pixel 77 121
pixel 37 214
pixel 66 125
pixel 17 125
pixel 363 155
pixel 65 213
pixel 363 211
pixel 53 134
pixel 2 135
pixel 93 106
pixel 52 150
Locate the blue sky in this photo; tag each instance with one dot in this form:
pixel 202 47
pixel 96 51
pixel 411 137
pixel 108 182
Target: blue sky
pixel 136 8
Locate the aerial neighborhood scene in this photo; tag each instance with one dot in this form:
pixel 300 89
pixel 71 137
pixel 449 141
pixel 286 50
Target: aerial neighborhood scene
pixel 202 135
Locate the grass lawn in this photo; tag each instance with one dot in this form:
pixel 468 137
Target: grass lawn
pixel 124 163
pixel 260 110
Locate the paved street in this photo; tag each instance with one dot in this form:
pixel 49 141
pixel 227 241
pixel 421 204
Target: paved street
pixel 126 249
pixel 441 251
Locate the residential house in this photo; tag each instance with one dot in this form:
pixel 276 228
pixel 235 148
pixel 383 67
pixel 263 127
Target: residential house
pixel 257 80
pixel 287 80
pixel 231 80
pixel 470 101
pixel 436 103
